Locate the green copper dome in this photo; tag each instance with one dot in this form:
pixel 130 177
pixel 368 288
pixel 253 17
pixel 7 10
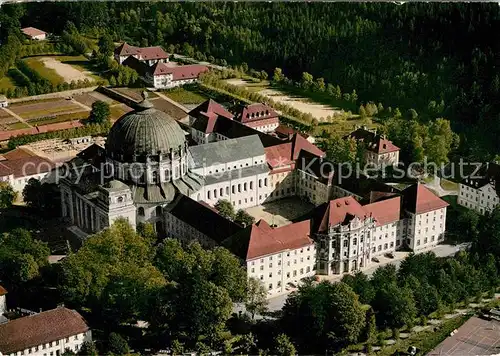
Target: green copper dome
pixel 145 131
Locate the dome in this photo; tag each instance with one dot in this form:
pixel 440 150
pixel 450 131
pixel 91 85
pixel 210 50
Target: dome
pixel 145 131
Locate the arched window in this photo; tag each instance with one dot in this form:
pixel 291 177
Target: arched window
pixel 215 193
pixel 227 190
pixel 155 177
pixel 251 185
pixel 141 211
pixel 233 189
pixel 265 182
pixel 167 174
pixel 158 210
pixel 120 199
pixel 245 186
pixel 208 194
pixel 221 192
pixel 260 183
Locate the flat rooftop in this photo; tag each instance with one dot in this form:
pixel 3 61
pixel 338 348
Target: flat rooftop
pixel 476 337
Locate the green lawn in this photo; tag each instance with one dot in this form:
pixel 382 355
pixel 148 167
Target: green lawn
pixel 185 96
pixel 448 185
pixel 254 85
pixel 6 83
pixel 17 126
pixel 50 74
pixel 61 118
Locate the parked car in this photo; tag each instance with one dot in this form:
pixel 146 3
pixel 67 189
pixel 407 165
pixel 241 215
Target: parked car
pixel 389 255
pixel 375 259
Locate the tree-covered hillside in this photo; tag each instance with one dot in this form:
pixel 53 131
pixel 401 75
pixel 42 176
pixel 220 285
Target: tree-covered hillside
pixel 437 58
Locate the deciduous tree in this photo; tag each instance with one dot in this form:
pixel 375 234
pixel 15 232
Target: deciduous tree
pixel 256 299
pixel 7 195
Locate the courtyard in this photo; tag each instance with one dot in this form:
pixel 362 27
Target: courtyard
pixel 281 212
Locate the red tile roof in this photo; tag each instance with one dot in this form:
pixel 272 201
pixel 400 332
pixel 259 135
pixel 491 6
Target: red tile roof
pixel 418 199
pixel 25 166
pixel 144 53
pixel 32 32
pixel 147 53
pixel 30 331
pixel 260 239
pixel 6 135
pixel 375 143
pixel 126 50
pixel 254 112
pixel 284 130
pixel 341 210
pixel 265 240
pixel 385 211
pixel 3 291
pixel 17 153
pixel 300 143
pixel 279 155
pixel 190 71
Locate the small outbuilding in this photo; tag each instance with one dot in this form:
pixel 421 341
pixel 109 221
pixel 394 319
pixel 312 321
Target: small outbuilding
pixel 34 33
pixel 3 101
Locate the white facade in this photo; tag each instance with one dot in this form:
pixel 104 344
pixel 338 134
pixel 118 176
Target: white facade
pixel 265 125
pixel 345 248
pixel 275 271
pixel 384 238
pixel 315 190
pixel 379 159
pixel 18 183
pixel 3 304
pixel 426 230
pixel 480 199
pixel 56 347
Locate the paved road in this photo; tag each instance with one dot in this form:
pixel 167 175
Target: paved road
pixel 277 303
pixel 192 60
pixel 435 185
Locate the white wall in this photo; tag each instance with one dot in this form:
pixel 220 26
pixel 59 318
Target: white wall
pixel 481 199
pixel 3 304
pixel 277 270
pixel 19 183
pixel 57 347
pixel 426 230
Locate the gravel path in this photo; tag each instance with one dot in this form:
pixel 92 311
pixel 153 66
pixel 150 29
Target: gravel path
pixel 66 71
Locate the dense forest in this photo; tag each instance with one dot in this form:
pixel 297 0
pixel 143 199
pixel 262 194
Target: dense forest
pixel 410 56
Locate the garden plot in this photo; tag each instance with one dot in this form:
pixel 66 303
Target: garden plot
pixel 35 110
pixel 89 98
pixel 8 122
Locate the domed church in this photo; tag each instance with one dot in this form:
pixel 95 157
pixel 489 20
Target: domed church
pixel 146 166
